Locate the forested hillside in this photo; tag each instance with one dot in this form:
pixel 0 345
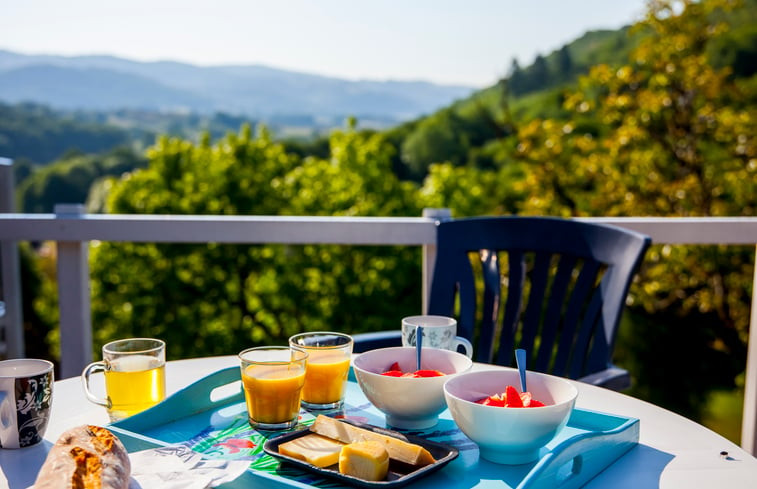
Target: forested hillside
pixel 666 128
pixel 74 178
pixel 38 134
pixel 470 132
pixel 60 155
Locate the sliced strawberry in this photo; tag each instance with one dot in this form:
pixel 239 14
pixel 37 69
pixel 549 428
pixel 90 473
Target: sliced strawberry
pixel 492 401
pixel 497 403
pixel 392 373
pixel 428 373
pixel 512 398
pixel 395 371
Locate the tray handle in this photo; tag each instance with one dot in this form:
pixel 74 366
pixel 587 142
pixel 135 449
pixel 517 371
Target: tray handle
pixel 209 393
pixel 574 462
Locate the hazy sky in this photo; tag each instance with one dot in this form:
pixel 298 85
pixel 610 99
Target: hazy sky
pixel 468 42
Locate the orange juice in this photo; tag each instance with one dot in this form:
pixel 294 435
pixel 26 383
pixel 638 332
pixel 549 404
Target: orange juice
pixel 326 376
pixel 273 391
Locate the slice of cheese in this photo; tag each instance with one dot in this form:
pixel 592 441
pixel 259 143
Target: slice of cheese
pixel 313 449
pixel 366 460
pixel 403 451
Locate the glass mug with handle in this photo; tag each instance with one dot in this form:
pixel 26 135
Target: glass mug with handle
pixel 438 332
pixel 135 377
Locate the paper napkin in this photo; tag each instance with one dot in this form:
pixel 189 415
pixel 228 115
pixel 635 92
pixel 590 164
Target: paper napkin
pixel 178 467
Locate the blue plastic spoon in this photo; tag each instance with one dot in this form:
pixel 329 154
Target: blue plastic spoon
pixel 520 360
pixel 418 345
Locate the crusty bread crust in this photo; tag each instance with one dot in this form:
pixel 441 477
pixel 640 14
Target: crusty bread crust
pixel 85 457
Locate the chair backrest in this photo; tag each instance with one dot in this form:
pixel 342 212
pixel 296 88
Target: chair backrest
pixel 565 284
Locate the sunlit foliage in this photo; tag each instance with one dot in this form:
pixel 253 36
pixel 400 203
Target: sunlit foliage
pixel 218 299
pixel 664 135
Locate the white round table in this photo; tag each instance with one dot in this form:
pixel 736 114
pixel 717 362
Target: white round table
pixel 673 452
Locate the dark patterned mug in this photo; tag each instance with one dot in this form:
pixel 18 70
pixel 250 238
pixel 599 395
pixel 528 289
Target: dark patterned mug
pixel 26 394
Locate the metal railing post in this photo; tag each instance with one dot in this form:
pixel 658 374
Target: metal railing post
pixel 73 299
pixel 749 417
pixel 10 268
pixel 429 255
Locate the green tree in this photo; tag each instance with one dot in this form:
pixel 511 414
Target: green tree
pixel 538 73
pixel 218 299
pixel 676 137
pixel 40 134
pixel 564 64
pixel 516 82
pixel 437 139
pixel 69 179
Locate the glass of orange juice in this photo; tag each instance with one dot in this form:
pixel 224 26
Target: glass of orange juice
pixel 328 366
pixel 272 377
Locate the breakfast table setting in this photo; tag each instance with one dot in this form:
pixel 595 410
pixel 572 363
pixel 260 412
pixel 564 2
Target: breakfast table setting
pixel 314 414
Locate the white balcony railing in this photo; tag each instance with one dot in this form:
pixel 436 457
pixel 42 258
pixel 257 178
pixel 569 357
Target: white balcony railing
pixel 72 230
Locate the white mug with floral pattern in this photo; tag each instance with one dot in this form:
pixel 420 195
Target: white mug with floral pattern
pixel 26 396
pixel 438 332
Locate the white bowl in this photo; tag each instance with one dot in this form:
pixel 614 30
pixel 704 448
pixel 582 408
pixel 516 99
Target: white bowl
pixel 509 435
pixel 408 403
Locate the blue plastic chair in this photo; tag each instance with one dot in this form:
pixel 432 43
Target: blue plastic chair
pixel 554 287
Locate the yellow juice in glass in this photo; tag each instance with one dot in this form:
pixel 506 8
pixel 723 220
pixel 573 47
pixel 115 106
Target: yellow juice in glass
pixel 272 392
pixel 134 383
pixel 326 376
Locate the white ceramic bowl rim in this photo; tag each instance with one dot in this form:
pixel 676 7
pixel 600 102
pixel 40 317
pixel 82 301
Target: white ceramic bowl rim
pixel 376 362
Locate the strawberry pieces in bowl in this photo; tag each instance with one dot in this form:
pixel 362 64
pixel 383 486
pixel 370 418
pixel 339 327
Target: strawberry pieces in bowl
pixel 509 436
pixel 396 371
pixel 511 398
pixel 410 399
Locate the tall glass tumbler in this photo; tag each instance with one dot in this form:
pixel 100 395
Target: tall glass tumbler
pixel 273 377
pixel 329 357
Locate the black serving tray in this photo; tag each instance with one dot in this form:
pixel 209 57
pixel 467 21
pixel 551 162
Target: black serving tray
pixel 399 473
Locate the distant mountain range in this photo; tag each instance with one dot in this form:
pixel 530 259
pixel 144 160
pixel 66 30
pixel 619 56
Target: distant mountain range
pixel 108 83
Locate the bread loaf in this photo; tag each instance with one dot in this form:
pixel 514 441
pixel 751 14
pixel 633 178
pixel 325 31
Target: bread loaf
pixel 85 457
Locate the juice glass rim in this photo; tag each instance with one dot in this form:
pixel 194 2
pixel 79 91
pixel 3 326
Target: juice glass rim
pixel 159 344
pixel 294 348
pixel 350 340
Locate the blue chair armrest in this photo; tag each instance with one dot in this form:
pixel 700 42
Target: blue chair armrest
pixel 614 378
pixel 379 339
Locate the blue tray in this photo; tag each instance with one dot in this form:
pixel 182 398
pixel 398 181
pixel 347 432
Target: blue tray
pixel 210 417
